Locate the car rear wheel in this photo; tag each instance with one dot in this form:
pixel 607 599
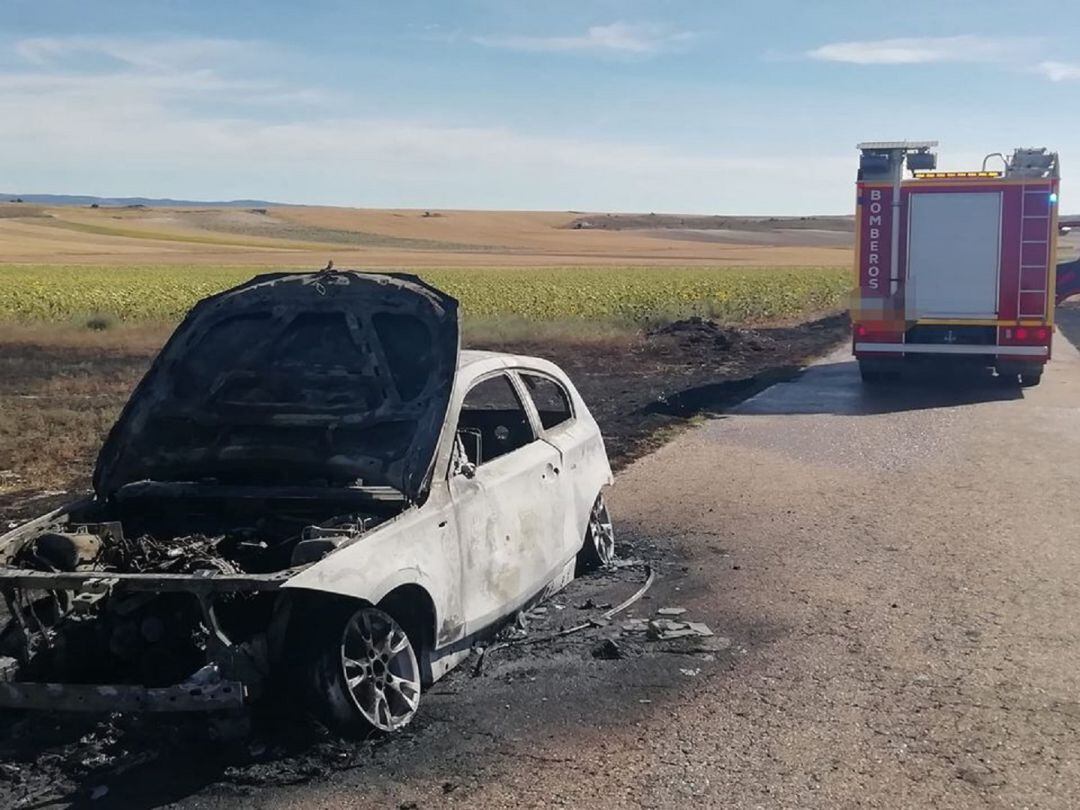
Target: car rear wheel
pixel 1030 380
pixel 598 550
pixel 367 675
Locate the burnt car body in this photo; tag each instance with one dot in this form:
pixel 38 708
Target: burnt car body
pixel 312 485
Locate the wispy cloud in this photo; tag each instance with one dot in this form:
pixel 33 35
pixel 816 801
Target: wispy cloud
pixel 163 55
pixel 1060 71
pixel 617 38
pixel 923 50
pixel 166 70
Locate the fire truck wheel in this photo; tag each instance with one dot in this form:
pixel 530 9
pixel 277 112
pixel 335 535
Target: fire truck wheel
pixel 1030 380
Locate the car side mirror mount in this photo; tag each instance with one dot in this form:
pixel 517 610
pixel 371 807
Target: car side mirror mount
pixel 463 465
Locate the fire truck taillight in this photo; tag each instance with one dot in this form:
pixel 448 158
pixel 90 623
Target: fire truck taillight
pixel 860 329
pixel 1037 335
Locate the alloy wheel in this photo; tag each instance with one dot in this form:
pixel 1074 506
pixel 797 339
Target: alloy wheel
pixel 602 532
pixel 381 673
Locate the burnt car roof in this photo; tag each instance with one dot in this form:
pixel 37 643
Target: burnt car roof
pixel 328 377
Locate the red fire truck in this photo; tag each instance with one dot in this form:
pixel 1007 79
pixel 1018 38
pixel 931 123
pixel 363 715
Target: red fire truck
pixel 954 266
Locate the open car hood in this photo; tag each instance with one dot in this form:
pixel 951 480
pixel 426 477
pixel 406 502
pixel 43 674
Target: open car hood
pixel 295 378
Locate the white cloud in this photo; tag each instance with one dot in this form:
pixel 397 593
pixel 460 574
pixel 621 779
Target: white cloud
pixel 1060 71
pixel 619 37
pixel 922 50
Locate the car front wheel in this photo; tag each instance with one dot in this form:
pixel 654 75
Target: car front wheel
pixel 367 675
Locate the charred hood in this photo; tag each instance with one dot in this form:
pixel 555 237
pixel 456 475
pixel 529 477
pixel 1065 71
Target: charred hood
pixel 301 378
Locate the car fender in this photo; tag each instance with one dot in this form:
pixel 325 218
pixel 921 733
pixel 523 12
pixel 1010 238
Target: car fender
pixel 419 547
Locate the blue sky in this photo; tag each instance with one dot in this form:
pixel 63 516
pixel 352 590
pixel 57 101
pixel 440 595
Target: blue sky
pixel 722 107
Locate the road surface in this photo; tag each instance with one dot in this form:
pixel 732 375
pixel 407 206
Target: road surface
pixel 899 574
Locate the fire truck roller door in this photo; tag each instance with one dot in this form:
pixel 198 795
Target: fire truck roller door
pixel 954 255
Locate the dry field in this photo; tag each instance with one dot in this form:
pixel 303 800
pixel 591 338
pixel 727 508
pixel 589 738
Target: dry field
pixel 308 236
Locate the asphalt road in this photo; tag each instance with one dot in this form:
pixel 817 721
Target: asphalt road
pixel 899 573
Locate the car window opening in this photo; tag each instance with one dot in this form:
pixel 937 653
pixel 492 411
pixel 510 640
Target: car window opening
pixel 550 398
pixel 493 421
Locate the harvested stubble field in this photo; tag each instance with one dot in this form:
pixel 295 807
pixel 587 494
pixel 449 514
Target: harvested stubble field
pixel 307 236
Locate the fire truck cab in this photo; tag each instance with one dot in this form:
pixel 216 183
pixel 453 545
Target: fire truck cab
pixel 954 266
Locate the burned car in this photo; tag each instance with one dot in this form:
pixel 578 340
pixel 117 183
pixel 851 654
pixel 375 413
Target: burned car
pixel 314 486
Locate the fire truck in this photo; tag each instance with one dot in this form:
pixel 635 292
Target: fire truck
pixel 954 266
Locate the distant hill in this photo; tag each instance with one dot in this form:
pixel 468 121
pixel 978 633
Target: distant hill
pixel 86 199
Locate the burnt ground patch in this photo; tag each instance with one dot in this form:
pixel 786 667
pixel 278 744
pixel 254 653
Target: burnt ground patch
pixel 550 679
pixel 639 390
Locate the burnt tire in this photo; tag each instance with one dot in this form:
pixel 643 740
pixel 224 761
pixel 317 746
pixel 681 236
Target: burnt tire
pixel 598 547
pixel 365 674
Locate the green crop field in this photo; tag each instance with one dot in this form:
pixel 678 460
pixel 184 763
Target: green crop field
pixel 624 294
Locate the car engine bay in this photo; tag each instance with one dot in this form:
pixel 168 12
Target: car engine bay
pixel 168 578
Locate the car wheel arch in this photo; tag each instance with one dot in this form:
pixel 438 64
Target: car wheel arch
pixel 585 509
pixel 409 603
pixel 414 609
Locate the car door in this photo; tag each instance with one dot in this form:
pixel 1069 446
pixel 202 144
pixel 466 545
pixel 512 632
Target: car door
pixel 560 428
pixel 506 500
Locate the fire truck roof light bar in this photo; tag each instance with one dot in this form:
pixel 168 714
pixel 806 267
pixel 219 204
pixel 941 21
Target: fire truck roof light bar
pixel 931 175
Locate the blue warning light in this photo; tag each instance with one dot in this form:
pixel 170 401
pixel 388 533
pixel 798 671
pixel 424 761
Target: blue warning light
pixel 1053 197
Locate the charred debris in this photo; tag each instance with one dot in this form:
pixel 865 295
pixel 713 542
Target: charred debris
pixel 174 589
